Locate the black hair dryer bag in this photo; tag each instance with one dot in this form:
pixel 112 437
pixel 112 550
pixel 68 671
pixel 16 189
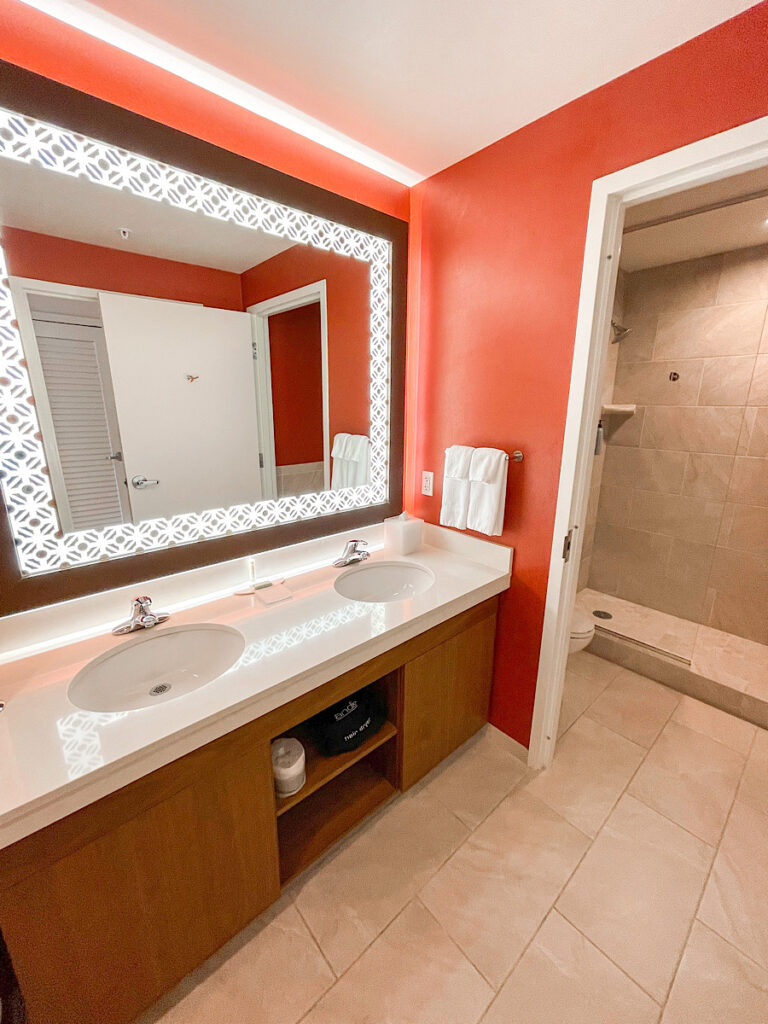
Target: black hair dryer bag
pixel 344 726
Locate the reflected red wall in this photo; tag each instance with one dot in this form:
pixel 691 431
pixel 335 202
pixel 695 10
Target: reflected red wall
pixel 348 299
pixel 47 258
pixel 297 385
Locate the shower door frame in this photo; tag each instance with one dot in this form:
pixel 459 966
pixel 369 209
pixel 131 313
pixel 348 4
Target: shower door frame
pixel 735 151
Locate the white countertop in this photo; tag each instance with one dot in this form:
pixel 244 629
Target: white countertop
pixel 55 759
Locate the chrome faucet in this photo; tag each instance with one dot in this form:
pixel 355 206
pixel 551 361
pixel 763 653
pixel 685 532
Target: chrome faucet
pixel 142 617
pixel 353 552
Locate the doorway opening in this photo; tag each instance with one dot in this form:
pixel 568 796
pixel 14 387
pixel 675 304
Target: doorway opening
pixel 669 520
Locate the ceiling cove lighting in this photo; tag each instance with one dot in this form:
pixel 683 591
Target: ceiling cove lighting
pixel 121 34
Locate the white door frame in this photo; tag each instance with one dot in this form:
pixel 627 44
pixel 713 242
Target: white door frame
pixel 732 152
pixel 261 312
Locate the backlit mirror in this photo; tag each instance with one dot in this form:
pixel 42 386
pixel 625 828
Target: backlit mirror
pixel 181 359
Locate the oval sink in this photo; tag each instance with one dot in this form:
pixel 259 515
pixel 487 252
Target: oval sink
pixel 154 667
pixel 384 581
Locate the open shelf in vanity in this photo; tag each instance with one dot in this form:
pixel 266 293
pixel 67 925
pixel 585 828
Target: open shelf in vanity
pixel 340 790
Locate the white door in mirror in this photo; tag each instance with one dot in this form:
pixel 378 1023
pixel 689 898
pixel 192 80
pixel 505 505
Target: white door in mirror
pixel 155 667
pixel 384 581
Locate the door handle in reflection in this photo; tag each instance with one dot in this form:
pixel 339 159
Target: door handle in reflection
pixel 139 482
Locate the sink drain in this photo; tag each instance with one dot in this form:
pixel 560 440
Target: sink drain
pixel 160 688
pixel 600 614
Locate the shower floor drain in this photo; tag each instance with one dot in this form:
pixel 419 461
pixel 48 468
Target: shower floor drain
pixel 600 614
pixel 160 688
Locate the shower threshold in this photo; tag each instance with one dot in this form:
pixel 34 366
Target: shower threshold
pixel 719 668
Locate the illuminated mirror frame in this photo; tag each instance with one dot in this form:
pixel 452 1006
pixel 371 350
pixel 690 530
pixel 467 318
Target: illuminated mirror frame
pixel 40 545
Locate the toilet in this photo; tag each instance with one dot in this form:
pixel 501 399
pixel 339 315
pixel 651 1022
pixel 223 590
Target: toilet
pixel 582 630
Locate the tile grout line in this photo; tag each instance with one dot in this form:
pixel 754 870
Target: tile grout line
pixel 594 840
pixel 707 878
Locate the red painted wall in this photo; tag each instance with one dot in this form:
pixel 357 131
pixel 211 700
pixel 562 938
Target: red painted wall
pixel 497 260
pixel 47 46
pixel 297 385
pixel 47 258
pixel 348 299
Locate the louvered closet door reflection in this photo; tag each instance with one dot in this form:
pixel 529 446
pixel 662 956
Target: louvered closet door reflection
pixel 88 495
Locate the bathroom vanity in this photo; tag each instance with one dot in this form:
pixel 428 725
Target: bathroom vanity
pixel 108 906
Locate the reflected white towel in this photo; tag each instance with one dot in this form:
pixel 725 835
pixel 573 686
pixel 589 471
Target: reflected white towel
pixel 358 449
pixel 487 491
pixel 453 511
pixel 340 470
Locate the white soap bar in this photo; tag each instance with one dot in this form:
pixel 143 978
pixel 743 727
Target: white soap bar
pixel 402 534
pixel 288 765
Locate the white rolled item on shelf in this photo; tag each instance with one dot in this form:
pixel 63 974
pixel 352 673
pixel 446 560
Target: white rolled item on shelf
pixel 289 766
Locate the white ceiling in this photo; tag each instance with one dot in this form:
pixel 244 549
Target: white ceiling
pixel 424 82
pixel 699 222
pixel 55 204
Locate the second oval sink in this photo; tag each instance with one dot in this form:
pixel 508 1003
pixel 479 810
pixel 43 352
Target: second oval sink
pixel 153 667
pixel 384 581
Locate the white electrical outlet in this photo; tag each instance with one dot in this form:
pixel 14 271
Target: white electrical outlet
pixel 427 483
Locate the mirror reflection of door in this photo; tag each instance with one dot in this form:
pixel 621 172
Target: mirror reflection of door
pixel 296 365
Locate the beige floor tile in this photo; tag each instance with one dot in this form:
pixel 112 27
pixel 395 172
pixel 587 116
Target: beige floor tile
pixel 354 895
pixel 716 985
pixel 726 729
pixel 494 892
pixel 735 902
pixel 635 893
pixel 590 771
pixel 474 782
pixel 648 625
pixel 754 782
pixel 564 979
pixel 578 693
pixel 584 663
pixel 691 779
pixel 412 974
pixel 730 659
pixel 272 973
pixel 634 706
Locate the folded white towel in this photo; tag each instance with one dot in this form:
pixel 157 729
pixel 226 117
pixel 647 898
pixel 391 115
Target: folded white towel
pixel 358 449
pixel 458 459
pixel 487 491
pixel 453 511
pixel 340 444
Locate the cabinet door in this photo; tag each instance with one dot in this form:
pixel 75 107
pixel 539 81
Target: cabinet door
pixel 447 692
pixel 100 934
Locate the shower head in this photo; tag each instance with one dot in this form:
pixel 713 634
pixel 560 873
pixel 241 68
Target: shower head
pixel 619 332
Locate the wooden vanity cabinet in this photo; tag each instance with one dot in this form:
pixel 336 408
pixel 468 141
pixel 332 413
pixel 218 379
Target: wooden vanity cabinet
pixel 108 908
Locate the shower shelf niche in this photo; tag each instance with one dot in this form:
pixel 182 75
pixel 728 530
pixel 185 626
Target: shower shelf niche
pixel 618 410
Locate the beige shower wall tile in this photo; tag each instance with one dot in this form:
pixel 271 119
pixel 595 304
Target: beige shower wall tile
pixel 650 384
pixel 726 380
pixel 749 482
pixel 620 552
pixel 713 430
pixel 675 515
pixel 707 476
pixel 614 505
pixel 746 617
pixel 758 392
pixel 644 469
pixel 744 275
pixel 675 286
pixel 637 346
pixel 711 331
pixel 745 528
